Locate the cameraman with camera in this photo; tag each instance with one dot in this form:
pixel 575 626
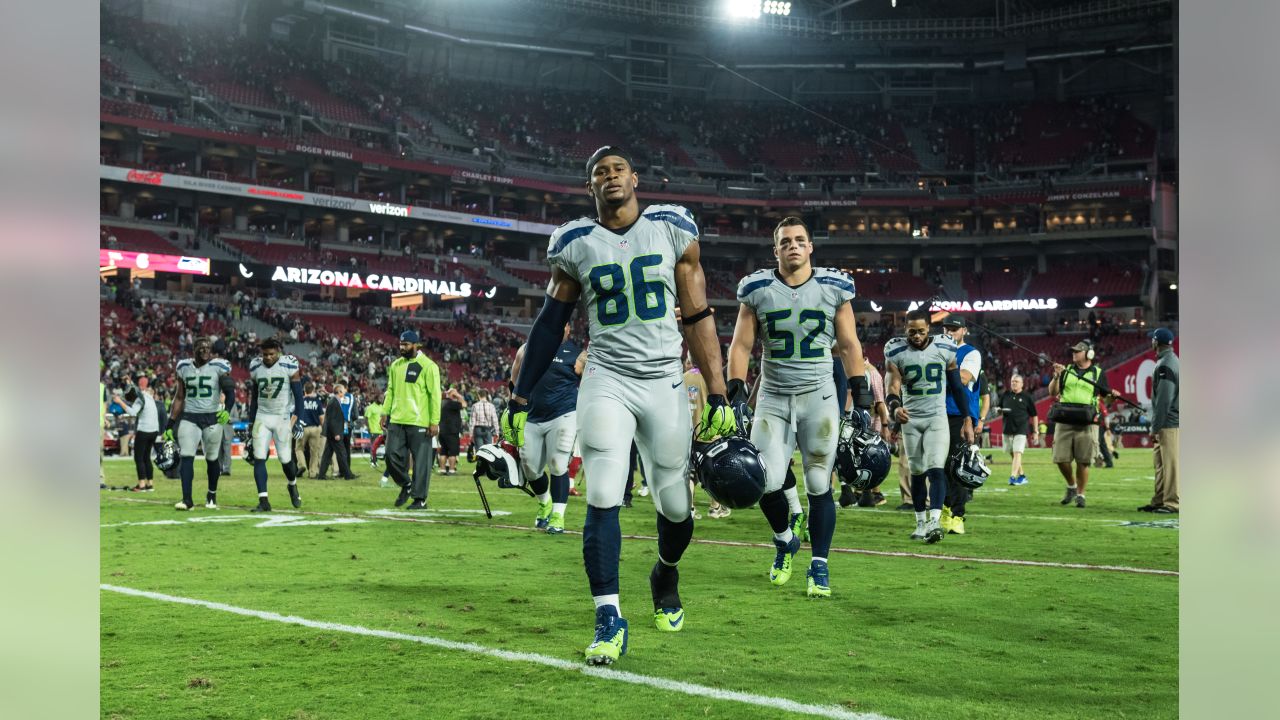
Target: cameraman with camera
pixel 1078 388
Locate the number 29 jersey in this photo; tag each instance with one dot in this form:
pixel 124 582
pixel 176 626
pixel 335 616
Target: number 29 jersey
pixel 924 373
pixel 271 384
pixel 796 326
pixel 628 287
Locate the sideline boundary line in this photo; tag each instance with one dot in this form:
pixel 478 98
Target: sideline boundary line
pixel 734 543
pixel 601 673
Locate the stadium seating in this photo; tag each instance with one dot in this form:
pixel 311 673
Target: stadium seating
pixel 136 240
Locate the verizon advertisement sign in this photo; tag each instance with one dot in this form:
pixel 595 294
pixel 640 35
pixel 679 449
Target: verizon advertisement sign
pixel 300 197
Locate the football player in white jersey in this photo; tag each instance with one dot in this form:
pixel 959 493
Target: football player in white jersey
pixel 802 311
pixel 629 269
pixel 926 368
pixel 198 415
pixel 275 403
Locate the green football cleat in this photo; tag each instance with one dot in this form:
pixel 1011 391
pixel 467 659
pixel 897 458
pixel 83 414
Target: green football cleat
pixel 800 526
pixel 555 524
pixel 780 571
pixel 544 512
pixel 819 581
pixel 611 640
pixel 669 619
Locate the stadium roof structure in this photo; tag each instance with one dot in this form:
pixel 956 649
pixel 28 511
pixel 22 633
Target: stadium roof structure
pixel 879 19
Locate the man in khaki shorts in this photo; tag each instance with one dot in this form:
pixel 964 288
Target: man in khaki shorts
pixel 1078 387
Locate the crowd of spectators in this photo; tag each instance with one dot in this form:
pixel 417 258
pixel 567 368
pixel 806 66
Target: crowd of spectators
pixel 371 104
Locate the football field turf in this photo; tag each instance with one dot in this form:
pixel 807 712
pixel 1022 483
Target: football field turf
pixel 351 609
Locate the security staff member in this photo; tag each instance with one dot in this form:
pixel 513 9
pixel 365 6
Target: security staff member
pixel 1164 424
pixel 412 404
pixel 311 444
pixel 969 360
pixel 1075 438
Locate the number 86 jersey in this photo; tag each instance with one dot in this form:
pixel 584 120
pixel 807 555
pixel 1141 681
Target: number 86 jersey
pixel 628 287
pixel 796 326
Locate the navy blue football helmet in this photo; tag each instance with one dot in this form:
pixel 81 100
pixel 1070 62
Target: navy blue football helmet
pixel 966 468
pixel 731 470
pixel 862 457
pixel 165 455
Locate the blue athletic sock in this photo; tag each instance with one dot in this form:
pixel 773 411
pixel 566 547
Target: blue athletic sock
pixel 601 549
pixel 539 484
pixel 187 473
pixel 290 472
pixel 260 475
pixel 560 488
pixel 822 523
pixel 673 538
pixel 919 493
pixel 214 471
pixel 937 488
pixel 776 511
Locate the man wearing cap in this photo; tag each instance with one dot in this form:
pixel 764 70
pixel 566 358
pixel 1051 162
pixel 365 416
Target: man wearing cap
pixel 1075 438
pixel 1164 424
pixel 970 362
pixel 412 406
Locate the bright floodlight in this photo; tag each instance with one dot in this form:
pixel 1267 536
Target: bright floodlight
pixel 743 8
pixel 774 7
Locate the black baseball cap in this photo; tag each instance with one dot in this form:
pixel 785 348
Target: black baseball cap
pixel 953 321
pixel 605 152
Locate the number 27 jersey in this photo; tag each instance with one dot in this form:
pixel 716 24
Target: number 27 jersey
pixel 924 373
pixel 628 287
pixel 271 384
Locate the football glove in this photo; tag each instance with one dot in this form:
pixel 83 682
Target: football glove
pixel 167 436
pixel 513 423
pixel 224 417
pixel 248 451
pixel 298 427
pixel 717 419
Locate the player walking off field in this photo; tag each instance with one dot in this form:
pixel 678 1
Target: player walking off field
pixel 630 269
pixel 199 417
pixel 275 403
pixel 802 311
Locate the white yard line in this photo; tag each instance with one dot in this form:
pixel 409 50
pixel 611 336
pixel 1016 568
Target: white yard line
pixel 600 673
pixel 734 543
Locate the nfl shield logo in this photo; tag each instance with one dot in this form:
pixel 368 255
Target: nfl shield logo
pixel 795 295
pixel 624 244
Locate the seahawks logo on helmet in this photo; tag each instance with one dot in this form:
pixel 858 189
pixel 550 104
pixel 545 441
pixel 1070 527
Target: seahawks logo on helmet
pixel 862 457
pixel 165 455
pixel 966 467
pixel 500 462
pixel 731 470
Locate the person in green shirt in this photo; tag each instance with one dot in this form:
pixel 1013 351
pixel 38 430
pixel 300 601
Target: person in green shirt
pixel 373 414
pixel 412 408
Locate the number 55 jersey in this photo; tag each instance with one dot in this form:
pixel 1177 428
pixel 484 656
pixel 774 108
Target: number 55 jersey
pixel 628 287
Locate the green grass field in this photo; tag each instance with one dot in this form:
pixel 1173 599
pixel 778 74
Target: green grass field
pixel 911 631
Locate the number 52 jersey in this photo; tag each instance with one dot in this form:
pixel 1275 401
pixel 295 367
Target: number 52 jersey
pixel 796 326
pixel 628 287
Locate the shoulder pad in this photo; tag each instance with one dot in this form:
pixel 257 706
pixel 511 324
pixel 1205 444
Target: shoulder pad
pixel 185 363
pixel 255 363
pixel 567 233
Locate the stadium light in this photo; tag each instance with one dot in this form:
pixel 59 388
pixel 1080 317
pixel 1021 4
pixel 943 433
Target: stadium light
pixel 773 7
pixel 743 9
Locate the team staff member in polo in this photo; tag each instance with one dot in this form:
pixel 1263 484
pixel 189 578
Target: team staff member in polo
pixel 1078 387
pixel 1164 424
pixel 412 404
